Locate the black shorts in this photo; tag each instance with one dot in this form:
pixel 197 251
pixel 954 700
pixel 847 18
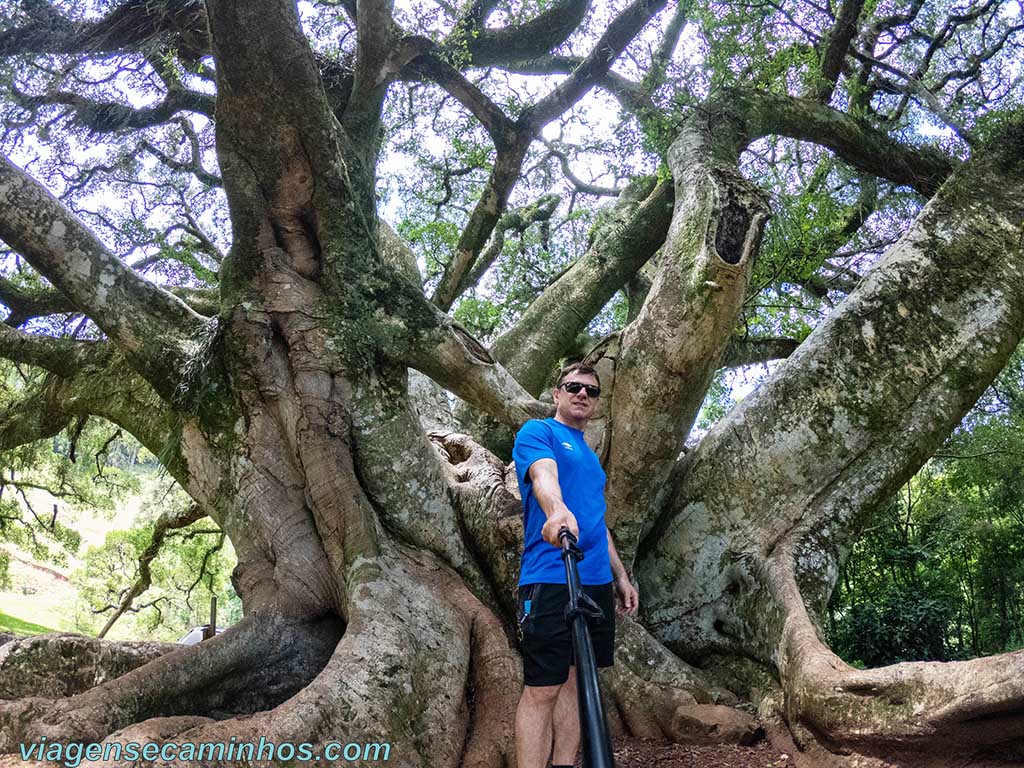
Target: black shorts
pixel 547 640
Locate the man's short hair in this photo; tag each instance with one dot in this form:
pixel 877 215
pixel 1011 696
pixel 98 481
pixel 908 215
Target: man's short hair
pixel 581 368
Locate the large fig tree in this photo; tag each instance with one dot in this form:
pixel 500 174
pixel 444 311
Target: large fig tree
pixel 224 285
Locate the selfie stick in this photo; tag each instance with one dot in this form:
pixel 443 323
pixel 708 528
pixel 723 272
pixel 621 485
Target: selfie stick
pixel 597 750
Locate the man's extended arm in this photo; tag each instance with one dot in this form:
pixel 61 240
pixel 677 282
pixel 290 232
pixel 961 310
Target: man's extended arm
pixel 629 598
pixel 547 491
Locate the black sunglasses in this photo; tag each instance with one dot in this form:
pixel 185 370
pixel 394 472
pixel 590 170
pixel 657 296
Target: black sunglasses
pixel 573 387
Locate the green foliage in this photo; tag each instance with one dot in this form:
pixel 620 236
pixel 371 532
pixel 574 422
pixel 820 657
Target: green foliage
pixel 818 218
pixel 187 253
pixel 618 310
pixel 1002 131
pixel 479 316
pixel 435 239
pixel 748 46
pixel 657 133
pixel 802 234
pixel 901 624
pixel 717 402
pixel 41 536
pixel 783 312
pixel 92 469
pixel 27 280
pixel 85 468
pixel 474 154
pixel 5 570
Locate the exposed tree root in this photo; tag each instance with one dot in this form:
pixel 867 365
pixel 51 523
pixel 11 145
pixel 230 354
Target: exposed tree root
pixel 918 709
pixel 398 677
pixel 255 664
pixel 493 687
pixel 65 664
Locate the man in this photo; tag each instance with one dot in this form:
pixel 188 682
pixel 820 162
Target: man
pixel 562 485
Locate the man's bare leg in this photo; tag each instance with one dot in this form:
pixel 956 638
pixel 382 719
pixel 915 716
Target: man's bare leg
pixel 533 724
pixel 566 723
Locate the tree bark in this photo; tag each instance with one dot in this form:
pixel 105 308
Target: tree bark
pixel 64 664
pixel 668 354
pixel 744 558
pixel 252 666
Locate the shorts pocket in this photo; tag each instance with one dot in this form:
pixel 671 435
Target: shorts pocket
pixel 526 611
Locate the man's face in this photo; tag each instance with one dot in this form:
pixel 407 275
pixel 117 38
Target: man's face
pixel 578 407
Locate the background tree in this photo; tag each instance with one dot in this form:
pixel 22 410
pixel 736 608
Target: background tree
pixel 83 467
pixel 161 573
pixel 251 318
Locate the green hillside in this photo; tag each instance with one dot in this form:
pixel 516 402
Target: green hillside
pixel 19 627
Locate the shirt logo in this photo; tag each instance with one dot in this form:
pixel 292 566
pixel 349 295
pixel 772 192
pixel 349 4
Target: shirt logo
pixel 568 446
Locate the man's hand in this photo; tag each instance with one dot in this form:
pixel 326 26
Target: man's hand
pixel 629 598
pixel 556 521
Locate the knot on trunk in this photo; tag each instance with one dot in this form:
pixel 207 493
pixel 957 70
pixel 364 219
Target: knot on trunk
pixel 475 349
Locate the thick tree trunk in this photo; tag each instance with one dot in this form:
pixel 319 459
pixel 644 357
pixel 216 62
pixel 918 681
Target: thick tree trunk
pixel 666 357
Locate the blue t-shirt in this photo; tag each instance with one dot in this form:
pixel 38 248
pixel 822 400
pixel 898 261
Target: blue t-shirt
pixel 581 479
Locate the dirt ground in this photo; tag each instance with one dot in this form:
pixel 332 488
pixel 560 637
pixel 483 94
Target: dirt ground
pixel 651 753
pixel 655 753
pixel 629 753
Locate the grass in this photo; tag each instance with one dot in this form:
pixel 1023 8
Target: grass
pixel 17 626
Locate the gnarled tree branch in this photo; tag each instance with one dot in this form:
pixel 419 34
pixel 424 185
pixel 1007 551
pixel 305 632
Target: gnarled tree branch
pixel 518 221
pixel 133 25
pixel 512 150
pixel 492 203
pixel 619 33
pixel 34 416
pixel 460 364
pixel 89 379
pixel 110 116
pixel 487 47
pixel 856 141
pixel 747 351
pixel 629 234
pixel 26 303
pixel 837 43
pixel 131 311
pixel 375 36
pixel 490 115
pixel 65 357
pixel 580 185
